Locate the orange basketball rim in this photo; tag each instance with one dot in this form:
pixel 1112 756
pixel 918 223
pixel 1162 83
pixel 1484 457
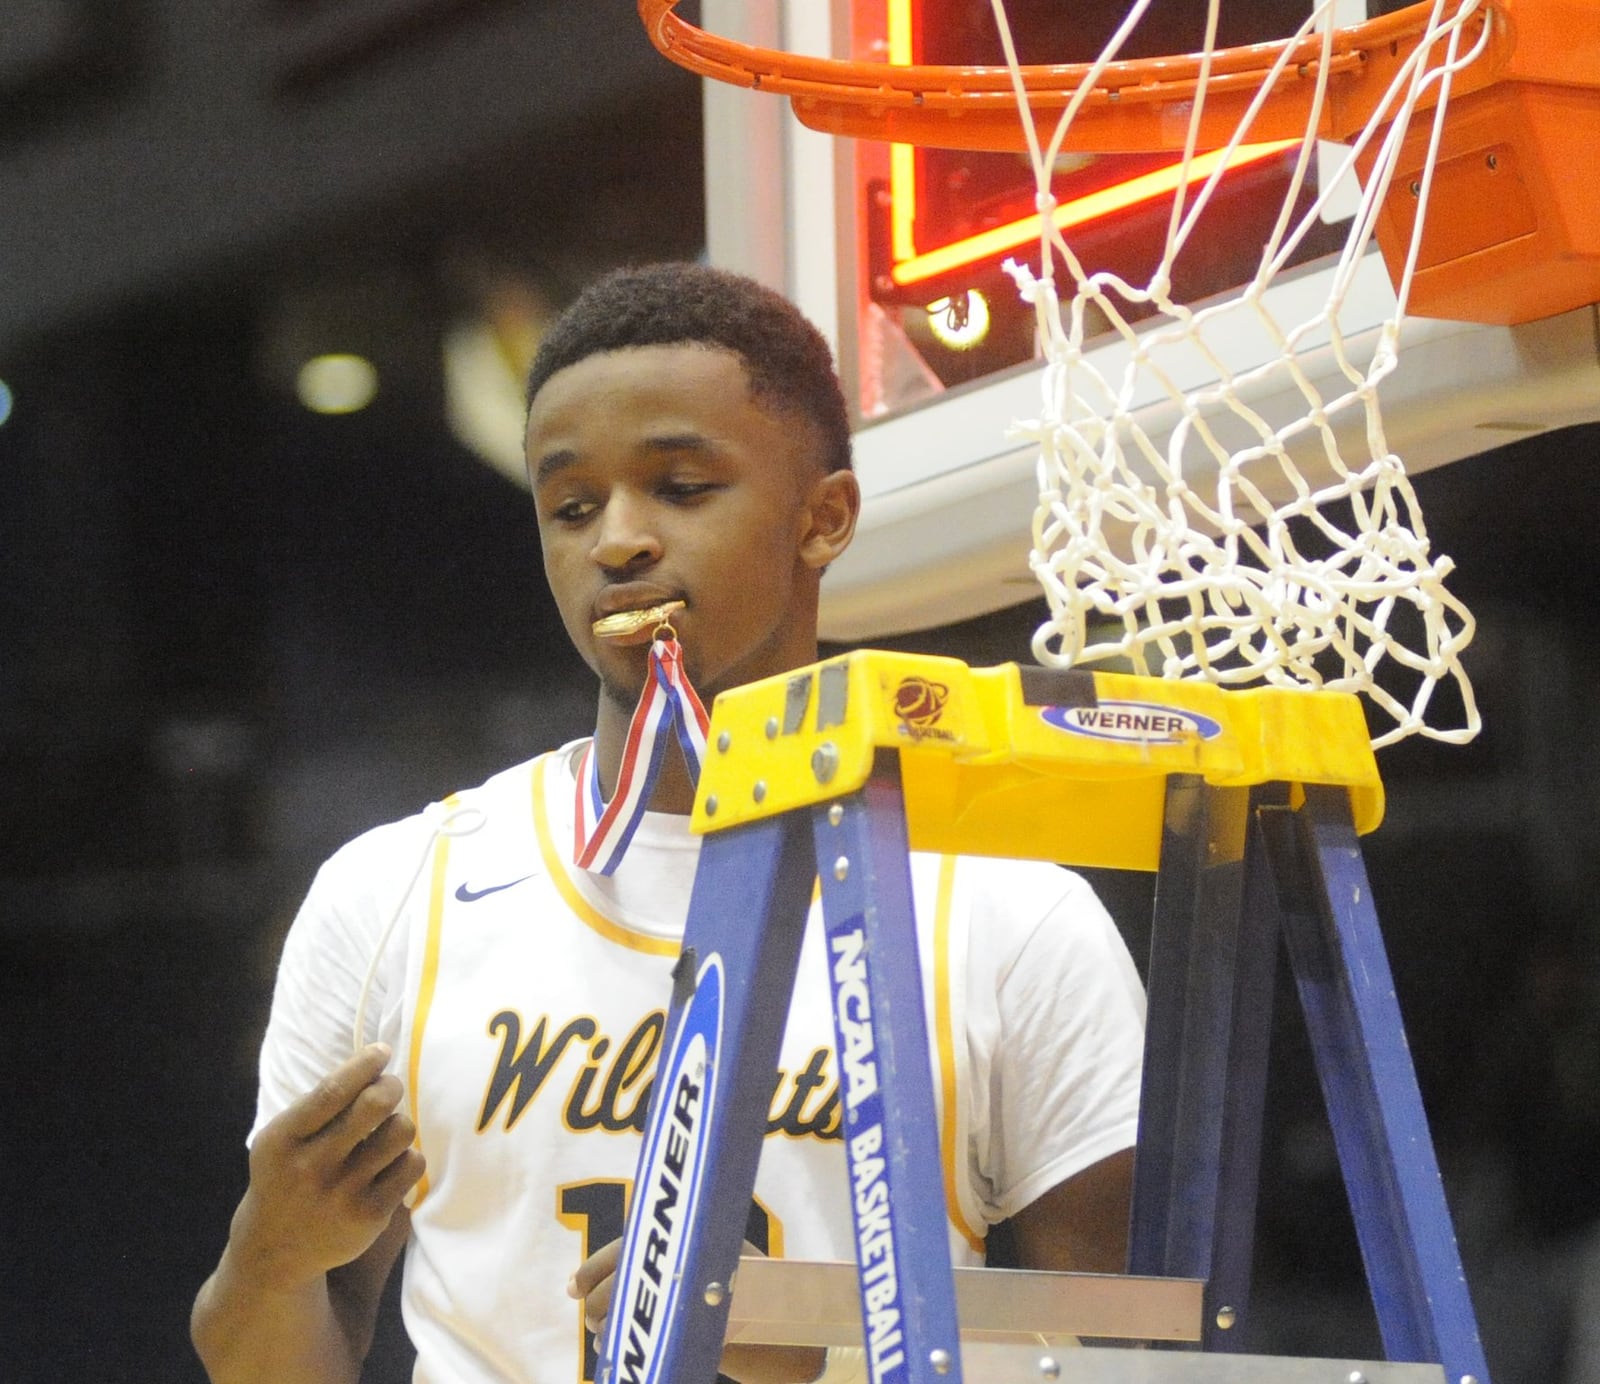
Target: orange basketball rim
pixel 1512 234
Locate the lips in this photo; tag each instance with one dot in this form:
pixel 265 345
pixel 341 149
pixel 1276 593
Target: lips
pixel 615 603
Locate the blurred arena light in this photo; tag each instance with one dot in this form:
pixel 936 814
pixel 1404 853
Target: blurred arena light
pixel 331 337
pixel 337 383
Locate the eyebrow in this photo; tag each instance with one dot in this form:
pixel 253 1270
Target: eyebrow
pixel 552 464
pixel 563 458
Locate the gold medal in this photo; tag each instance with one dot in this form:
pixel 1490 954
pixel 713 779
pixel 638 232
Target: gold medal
pixel 626 622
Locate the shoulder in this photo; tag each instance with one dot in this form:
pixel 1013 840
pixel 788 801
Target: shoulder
pixel 351 937
pixel 461 813
pixel 1013 897
pixel 1031 922
pixel 370 866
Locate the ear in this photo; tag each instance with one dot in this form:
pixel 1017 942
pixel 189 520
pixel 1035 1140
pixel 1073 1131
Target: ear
pixel 829 518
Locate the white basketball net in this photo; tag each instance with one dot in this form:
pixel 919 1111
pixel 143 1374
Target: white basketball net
pixel 1187 560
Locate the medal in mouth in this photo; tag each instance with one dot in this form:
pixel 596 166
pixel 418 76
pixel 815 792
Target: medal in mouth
pixel 669 710
pixel 626 622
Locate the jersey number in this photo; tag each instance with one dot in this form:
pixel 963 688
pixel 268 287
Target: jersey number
pixel 598 1211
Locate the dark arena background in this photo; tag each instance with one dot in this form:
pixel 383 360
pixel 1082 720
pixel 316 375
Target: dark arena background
pixel 248 612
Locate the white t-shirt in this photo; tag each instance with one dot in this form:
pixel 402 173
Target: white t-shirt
pixel 524 1000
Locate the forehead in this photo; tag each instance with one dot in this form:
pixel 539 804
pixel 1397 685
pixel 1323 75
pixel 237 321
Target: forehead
pixel 651 386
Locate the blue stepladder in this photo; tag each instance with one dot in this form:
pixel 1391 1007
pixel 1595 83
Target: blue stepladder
pixel 1246 804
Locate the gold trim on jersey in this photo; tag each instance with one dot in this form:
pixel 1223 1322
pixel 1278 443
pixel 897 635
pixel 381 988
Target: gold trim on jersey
pixel 585 911
pixel 425 987
pixel 944 1043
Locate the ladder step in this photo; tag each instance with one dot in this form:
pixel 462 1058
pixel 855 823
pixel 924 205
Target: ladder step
pixel 994 1364
pixel 815 1303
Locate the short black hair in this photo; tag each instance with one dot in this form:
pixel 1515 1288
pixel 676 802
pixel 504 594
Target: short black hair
pixel 785 357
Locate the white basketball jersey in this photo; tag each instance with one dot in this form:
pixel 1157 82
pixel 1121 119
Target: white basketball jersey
pixel 525 1002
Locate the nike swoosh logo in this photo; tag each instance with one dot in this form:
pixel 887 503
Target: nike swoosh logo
pixel 467 895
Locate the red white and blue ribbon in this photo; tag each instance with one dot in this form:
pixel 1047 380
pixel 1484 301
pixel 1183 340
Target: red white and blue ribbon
pixel 668 708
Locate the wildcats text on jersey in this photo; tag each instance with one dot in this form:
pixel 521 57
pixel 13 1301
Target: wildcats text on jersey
pixel 609 1084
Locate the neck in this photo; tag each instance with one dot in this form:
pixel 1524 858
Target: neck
pixel 673 790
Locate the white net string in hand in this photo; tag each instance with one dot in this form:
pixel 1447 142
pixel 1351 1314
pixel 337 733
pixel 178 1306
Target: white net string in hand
pixel 1215 556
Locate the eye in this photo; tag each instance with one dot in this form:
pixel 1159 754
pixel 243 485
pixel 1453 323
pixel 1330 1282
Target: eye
pixel 683 490
pixel 573 511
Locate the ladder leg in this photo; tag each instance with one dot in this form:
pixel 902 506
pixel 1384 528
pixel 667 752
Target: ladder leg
pixel 1364 1066
pixel 709 1106
pixel 1212 961
pixel 1243 1109
pixel 891 1134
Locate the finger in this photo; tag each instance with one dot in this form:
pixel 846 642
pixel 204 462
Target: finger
pixel 403 1173
pixel 373 1104
pixel 380 1148
pixel 332 1096
pixel 338 1140
pixel 597 1305
pixel 598 1267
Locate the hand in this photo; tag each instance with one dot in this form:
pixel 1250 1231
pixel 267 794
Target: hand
pixel 593 1283
pixel 328 1174
pixel 595 1280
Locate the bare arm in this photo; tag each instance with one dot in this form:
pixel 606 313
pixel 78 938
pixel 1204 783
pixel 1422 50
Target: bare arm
pixel 294 1299
pixel 1081 1224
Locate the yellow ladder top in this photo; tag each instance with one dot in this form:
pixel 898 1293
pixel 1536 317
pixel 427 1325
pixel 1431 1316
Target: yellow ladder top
pixel 1028 763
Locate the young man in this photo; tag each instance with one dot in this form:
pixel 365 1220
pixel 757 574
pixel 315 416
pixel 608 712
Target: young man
pixel 687 443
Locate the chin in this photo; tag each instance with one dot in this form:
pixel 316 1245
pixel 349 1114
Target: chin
pixel 622 691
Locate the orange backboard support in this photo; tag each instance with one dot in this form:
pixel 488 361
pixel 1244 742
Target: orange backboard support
pixel 1513 216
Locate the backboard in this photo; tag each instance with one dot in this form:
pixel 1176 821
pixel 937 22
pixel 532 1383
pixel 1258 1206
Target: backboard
pixel 877 242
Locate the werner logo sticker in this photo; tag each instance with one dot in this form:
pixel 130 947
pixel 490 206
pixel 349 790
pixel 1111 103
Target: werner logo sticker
pixel 1138 723
pixel 667 1190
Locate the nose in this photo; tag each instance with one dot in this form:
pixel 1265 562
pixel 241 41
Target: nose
pixel 625 540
